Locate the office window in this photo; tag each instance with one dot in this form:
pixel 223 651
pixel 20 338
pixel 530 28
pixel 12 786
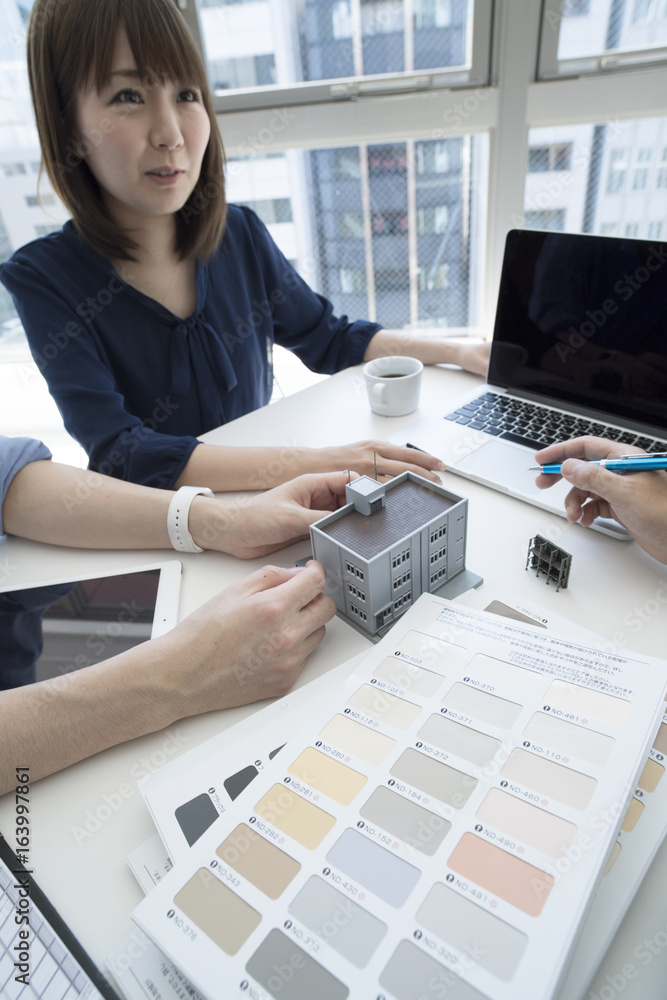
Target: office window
pixel 552 219
pixel 617 171
pixel 351 225
pixel 341 19
pixel 244 71
pixel 381 17
pixel 432 220
pixel 609 229
pixel 388 223
pixel 639 179
pixel 13 169
pixel 643 11
pixel 46 199
pixel 433 13
pixel 433 157
pixel 434 278
pixel 580 37
pixel 661 176
pixel 43 229
pixel 271 210
pixel 545 158
pixel 346 164
pixel 305 41
pixel 387 159
pixel 379 239
pixel 352 280
pixel 654 230
pixel 595 190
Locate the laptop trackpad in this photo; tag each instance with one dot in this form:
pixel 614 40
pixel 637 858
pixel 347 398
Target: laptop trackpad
pixel 505 466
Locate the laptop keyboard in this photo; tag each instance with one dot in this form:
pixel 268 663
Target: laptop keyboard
pixel 537 426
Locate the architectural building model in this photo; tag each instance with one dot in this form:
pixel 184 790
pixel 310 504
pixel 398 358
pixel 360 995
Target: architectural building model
pixel 390 543
pixel 545 557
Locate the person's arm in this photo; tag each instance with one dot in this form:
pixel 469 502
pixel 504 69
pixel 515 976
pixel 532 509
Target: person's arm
pixel 472 356
pixel 61 505
pixel 636 500
pixel 248 643
pixel 261 468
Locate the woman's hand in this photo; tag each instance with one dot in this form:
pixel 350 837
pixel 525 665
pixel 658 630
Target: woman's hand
pixel 248 643
pixel 390 459
pixel 254 526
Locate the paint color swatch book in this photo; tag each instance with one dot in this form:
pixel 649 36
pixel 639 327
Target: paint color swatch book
pixel 438 828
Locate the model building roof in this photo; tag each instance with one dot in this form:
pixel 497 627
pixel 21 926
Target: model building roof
pixel 408 507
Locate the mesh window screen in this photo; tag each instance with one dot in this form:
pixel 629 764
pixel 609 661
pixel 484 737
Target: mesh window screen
pixel 250 43
pixel 594 27
pixel 386 231
pixel 609 179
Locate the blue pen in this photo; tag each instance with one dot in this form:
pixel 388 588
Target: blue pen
pixel 624 463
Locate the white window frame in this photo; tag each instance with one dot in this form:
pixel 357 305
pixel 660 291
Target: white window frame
pixel 474 72
pixel 506 107
pixel 550 67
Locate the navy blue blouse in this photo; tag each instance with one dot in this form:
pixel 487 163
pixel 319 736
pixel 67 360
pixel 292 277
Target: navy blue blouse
pixel 136 384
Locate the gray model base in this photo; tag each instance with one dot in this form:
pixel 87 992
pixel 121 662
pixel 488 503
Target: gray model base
pixel 459 584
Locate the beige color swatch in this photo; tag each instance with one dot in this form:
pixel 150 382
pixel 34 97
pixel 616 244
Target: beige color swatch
pixel 217 911
pixel 328 776
pixel 651 775
pixel 632 815
pixel 296 817
pixel 258 860
pixel 357 740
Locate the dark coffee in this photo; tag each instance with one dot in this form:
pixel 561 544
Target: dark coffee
pixel 395 375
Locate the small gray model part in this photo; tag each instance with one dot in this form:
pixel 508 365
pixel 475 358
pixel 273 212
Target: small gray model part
pixel 545 557
pixel 391 543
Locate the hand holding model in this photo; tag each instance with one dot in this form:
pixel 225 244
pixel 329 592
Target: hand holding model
pixel 637 500
pixel 248 643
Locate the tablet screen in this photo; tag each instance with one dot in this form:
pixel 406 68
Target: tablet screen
pixel 96 619
pixel 71 623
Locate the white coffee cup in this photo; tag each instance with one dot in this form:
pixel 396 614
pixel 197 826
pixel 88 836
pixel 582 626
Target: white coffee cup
pixel 393 385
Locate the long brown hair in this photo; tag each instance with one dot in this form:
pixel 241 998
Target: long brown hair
pixel 70 44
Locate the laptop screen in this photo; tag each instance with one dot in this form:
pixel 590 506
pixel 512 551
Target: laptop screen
pixel 583 320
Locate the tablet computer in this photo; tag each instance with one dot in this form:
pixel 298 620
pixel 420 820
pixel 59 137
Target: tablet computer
pixel 87 618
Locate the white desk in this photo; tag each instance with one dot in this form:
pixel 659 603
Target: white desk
pixel 614 587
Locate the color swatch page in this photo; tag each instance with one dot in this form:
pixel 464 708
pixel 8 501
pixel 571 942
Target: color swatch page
pixel 186 796
pixel 437 828
pixel 643 828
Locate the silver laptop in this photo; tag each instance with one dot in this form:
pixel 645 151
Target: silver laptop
pixel 579 347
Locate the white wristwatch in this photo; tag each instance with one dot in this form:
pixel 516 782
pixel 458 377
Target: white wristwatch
pixel 177 518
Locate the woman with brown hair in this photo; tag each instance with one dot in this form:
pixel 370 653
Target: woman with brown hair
pixel 153 313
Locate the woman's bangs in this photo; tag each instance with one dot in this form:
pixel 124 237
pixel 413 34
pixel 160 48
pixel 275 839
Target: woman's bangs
pixel 162 46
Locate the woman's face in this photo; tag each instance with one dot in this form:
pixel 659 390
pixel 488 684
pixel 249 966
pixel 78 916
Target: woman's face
pixel 144 140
